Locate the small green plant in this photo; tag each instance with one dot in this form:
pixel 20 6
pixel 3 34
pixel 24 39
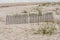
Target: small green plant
pixel 24 11
pixel 48 30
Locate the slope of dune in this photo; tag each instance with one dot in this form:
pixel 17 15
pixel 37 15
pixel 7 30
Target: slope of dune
pixel 23 31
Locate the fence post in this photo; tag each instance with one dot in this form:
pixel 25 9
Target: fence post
pixel 28 18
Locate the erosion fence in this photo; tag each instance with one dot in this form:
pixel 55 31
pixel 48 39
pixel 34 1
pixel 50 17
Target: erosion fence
pixel 31 18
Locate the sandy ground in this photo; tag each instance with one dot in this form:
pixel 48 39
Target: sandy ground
pixel 21 31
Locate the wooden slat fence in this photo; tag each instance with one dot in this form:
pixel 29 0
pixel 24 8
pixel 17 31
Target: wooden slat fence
pixel 25 19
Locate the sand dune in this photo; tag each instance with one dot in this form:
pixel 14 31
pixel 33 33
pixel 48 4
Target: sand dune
pixel 26 4
pixel 22 31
